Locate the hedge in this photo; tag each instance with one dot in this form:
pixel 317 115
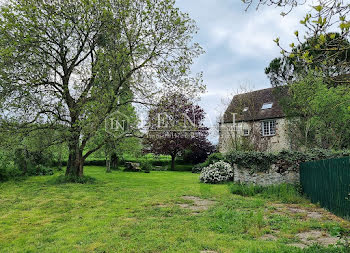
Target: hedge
pixel 154 163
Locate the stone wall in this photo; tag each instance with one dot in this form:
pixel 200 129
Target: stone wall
pixel 270 177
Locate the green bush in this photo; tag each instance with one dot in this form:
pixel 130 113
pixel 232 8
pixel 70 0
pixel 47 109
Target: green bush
pixel 7 169
pixel 31 159
pixel 213 158
pixel 146 166
pixel 39 170
pixel 285 193
pixel 3 174
pixel 14 173
pixel 197 168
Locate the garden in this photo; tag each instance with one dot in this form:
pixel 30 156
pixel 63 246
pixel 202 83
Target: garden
pixel 163 211
pixel 105 145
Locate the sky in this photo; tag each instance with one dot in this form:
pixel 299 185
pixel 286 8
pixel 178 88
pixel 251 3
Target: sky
pixel 238 47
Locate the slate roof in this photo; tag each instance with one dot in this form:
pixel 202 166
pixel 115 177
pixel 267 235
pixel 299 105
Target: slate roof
pixel 254 101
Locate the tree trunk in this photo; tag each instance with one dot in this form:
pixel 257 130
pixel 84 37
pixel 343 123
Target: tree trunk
pixel 108 164
pixel 173 162
pixel 75 165
pixel 114 161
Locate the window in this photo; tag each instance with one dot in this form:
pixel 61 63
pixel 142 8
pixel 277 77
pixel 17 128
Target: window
pixel 268 128
pixel 245 132
pixel 267 106
pixel 245 109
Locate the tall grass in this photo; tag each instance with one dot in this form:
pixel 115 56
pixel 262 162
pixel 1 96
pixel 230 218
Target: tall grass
pixel 286 193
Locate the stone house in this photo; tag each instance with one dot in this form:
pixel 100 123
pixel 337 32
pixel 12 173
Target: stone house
pixel 255 121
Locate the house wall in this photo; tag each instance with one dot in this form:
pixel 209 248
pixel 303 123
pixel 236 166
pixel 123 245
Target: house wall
pixel 228 137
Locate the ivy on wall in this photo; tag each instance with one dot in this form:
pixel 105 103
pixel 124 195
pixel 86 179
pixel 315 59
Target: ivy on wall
pixel 284 160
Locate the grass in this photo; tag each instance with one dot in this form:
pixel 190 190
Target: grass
pixel 285 193
pixel 138 212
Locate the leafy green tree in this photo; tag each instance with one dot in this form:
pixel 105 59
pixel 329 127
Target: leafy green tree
pixel 291 67
pixel 319 63
pixel 326 38
pixel 29 149
pixel 319 115
pixel 65 64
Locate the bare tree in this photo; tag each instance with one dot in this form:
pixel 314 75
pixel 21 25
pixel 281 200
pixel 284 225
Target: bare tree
pixel 241 110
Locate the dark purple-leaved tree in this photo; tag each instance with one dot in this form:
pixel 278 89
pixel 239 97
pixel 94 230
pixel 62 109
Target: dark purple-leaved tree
pixel 175 124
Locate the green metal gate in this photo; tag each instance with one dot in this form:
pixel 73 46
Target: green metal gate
pixel 328 182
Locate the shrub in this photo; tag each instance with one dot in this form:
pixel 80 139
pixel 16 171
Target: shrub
pixel 285 193
pixel 146 166
pixel 39 170
pixel 197 168
pixel 4 176
pixel 217 173
pixel 24 158
pixel 213 158
pixel 7 169
pixel 14 173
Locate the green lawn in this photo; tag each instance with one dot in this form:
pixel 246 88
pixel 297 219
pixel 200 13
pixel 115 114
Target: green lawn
pixel 137 212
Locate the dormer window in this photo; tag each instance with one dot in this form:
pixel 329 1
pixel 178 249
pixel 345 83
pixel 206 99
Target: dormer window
pixel 267 106
pixel 245 109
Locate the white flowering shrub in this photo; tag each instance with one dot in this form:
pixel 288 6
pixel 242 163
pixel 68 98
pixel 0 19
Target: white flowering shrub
pixel 217 173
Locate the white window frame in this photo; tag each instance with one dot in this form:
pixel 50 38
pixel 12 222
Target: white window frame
pixel 246 134
pixel 268 127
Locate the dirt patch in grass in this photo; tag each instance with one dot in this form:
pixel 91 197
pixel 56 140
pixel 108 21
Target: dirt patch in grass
pixel 314 236
pixel 197 204
pixel 311 212
pixel 298 245
pixel 315 215
pixel 268 237
pixel 161 205
pixel 307 238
